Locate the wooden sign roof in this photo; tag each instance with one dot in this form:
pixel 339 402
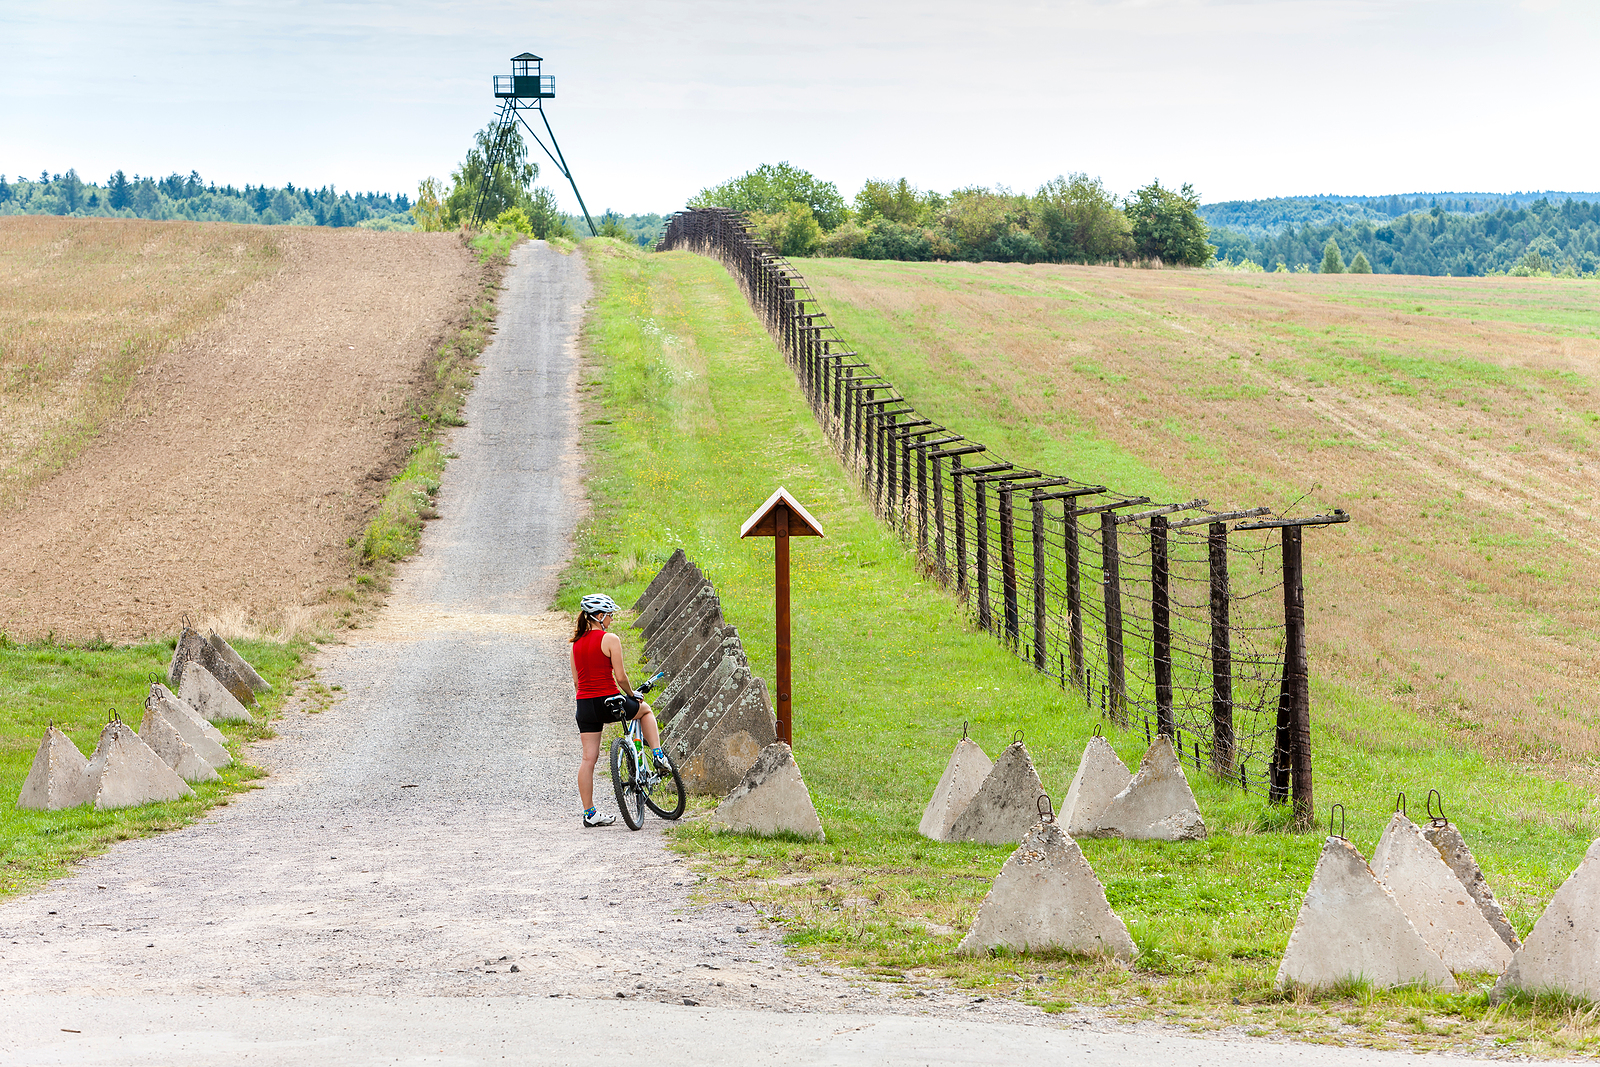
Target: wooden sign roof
pixel 763 523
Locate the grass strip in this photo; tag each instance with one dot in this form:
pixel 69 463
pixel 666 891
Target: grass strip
pixel 692 419
pixel 77 688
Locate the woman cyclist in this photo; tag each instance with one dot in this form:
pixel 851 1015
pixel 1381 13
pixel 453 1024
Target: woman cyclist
pixel 598 673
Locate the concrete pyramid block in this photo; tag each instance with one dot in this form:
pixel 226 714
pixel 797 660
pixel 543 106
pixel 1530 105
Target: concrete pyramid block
pixel 1101 776
pixel 175 709
pixel 733 745
pixel 668 628
pixel 59 777
pixel 725 654
pixel 1351 926
pixel 696 626
pixel 162 735
pixel 127 772
pixel 1157 804
pixel 210 697
pixel 192 649
pixel 1436 902
pixel 663 576
pixel 1047 897
pixel 240 666
pixel 771 798
pixel 1562 951
pixel 704 709
pixel 962 778
pixel 1007 803
pixel 688 582
pixel 1444 837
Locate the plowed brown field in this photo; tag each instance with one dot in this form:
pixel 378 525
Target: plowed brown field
pixel 251 444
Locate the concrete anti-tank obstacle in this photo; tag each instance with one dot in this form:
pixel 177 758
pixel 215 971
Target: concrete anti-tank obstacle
pixel 1435 901
pixel 162 735
pixel 668 627
pixel 173 703
pixel 962 778
pixel 1101 776
pixel 1157 804
pixel 59 777
pixel 209 697
pixel 648 609
pixel 1351 926
pixel 1452 848
pixel 693 727
pixel 126 772
pixel 1562 952
pixel 676 649
pixel 771 798
pixel 667 571
pixel 240 665
pixel 691 581
pixel 1047 897
pixel 205 739
pixel 719 761
pixel 723 647
pixel 1006 804
pixel 191 649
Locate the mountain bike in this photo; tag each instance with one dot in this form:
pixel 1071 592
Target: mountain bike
pixel 638 780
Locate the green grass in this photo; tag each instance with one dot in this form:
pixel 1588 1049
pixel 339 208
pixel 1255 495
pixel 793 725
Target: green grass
pixel 692 421
pixel 77 689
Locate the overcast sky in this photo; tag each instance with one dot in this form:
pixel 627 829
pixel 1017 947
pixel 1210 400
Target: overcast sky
pixel 658 98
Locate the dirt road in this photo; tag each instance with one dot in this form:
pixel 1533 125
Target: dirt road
pixel 412 883
pixel 242 460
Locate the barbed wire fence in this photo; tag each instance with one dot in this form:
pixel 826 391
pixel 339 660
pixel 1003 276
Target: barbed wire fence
pixel 1186 621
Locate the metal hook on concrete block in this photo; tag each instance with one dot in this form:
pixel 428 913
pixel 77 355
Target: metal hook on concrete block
pixel 1440 819
pixel 1046 809
pixel 963 729
pixel 1016 737
pixel 1340 809
pixel 1400 803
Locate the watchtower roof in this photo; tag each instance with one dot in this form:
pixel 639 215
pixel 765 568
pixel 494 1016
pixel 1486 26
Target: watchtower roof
pixel 528 55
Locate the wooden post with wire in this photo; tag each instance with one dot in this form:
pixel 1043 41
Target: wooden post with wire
pixel 781 518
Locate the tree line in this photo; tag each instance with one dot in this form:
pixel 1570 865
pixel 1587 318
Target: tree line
pixel 194 199
pixel 1071 219
pixel 1544 237
pixel 1270 217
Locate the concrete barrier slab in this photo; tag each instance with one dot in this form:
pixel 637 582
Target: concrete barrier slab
pixel 771 798
pixel 669 589
pixel 962 778
pixel 192 648
pixel 204 738
pixel 1046 897
pixel 689 582
pixel 240 665
pixel 1562 952
pixel 59 777
pixel 674 648
pixel 1007 803
pixel 694 716
pixel 668 627
pixel 1157 804
pixel 687 682
pixel 1436 902
pixel 1453 849
pixel 1101 776
pixel 1351 926
pixel 127 773
pixel 663 576
pixel 162 735
pixel 719 761
pixel 186 651
pixel 209 697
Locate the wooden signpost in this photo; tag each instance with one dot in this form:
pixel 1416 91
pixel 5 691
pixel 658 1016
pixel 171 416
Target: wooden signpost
pixel 781 518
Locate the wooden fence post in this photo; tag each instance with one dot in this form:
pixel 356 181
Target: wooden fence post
pixel 981 551
pixel 922 500
pixel 1161 624
pixel 958 500
pixel 1040 622
pixel 1295 670
pixel 1222 742
pixel 1008 565
pixel 938 517
pixel 1111 589
pixel 1074 591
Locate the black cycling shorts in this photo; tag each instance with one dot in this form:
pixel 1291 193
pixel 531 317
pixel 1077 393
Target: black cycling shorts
pixel 593 713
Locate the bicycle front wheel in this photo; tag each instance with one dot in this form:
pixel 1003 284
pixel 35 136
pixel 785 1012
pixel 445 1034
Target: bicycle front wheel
pixel 663 791
pixel 625 780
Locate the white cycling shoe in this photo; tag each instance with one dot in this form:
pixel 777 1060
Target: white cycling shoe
pixel 599 818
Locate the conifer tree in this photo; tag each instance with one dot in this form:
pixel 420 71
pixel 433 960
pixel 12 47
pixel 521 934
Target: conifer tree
pixel 1332 261
pixel 119 193
pixel 1360 265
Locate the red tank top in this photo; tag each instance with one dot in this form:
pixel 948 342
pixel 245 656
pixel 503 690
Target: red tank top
pixel 594 666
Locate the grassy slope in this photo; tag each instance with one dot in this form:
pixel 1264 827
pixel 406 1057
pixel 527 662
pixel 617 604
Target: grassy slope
pixel 693 421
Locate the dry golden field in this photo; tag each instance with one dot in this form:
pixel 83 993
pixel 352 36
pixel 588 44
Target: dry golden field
pixel 1456 419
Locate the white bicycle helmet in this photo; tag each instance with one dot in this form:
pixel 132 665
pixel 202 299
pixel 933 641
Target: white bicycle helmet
pixel 598 604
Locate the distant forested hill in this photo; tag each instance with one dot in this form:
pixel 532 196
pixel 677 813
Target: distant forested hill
pixel 1545 236
pixel 1269 218
pixel 177 197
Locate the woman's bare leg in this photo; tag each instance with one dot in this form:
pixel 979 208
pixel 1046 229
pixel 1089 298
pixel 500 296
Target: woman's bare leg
pixel 647 723
pixel 591 755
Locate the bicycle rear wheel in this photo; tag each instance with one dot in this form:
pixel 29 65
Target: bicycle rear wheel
pixel 625 780
pixel 665 794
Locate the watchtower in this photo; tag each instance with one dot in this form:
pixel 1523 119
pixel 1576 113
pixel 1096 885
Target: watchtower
pixel 526 88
